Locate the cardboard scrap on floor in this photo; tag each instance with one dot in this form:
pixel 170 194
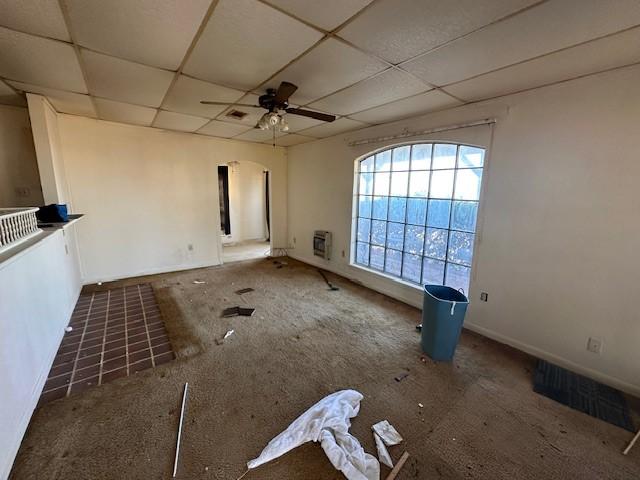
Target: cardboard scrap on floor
pixel 238 310
pixel 244 290
pixel 383 453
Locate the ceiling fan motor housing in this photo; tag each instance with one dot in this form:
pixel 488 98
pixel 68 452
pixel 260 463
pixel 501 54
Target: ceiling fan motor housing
pixel 269 101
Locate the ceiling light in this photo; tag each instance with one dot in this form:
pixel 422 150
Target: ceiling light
pixel 273 121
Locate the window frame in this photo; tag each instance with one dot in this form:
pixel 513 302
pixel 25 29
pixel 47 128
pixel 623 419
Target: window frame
pixel 422 255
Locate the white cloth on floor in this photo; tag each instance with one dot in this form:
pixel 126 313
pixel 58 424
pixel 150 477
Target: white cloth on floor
pixel 327 422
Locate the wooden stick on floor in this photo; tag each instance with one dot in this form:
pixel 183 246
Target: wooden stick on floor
pixel 635 439
pixel 399 465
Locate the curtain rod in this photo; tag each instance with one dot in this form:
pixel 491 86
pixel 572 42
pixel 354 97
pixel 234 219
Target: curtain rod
pixel 486 121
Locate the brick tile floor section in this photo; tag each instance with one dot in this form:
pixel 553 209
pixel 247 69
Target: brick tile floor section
pixel 115 333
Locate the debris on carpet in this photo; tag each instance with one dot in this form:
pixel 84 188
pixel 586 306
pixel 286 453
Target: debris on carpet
pixel 398 467
pixel 184 402
pixel 401 377
pixel 199 282
pixel 383 453
pixel 327 422
pixel 238 310
pixel 332 287
pixel 387 433
pixel 244 290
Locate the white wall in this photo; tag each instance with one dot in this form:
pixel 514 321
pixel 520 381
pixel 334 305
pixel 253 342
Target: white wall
pixel 148 194
pixel 38 291
pixel 558 230
pixel 53 178
pixel 246 202
pixel 19 179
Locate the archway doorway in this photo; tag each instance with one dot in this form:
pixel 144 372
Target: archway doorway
pixel 245 225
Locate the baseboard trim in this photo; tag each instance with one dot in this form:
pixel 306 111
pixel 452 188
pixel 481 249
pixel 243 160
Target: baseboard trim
pixel 151 271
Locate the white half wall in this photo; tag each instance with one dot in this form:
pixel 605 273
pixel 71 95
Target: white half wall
pixel 246 202
pixel 151 196
pixel 39 287
pixel 19 178
pixel 558 231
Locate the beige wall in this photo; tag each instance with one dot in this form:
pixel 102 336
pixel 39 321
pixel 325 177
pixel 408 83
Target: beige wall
pixel 246 202
pixel 149 194
pixel 558 230
pixel 19 179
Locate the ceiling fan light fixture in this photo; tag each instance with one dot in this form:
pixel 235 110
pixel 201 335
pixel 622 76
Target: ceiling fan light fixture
pixel 263 123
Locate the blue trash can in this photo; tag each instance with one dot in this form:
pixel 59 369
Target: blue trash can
pixel 442 318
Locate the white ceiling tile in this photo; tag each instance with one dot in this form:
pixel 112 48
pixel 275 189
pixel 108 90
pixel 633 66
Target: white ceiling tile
pixel 383 88
pixel 65 102
pixel 40 61
pixel 298 122
pixel 186 93
pixel 178 121
pixel 245 42
pixel 407 107
pixel 542 29
pixel 257 135
pixel 153 32
pixel 330 66
pixel 9 97
pixel 327 14
pixel 124 112
pixel 125 81
pixel 596 56
pixel 341 125
pixel 40 17
pixel 223 129
pixel 290 139
pixel 400 29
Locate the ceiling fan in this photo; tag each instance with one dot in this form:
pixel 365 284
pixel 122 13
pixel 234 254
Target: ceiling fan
pixel 275 101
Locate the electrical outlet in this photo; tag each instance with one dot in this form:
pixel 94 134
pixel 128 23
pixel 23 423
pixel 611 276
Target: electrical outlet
pixel 294 240
pixel 594 345
pixel 190 247
pixel 342 253
pixel 484 296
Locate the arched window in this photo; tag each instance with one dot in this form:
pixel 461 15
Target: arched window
pixel 415 217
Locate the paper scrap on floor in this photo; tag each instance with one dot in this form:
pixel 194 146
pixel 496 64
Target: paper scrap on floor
pixel 383 453
pixel 327 422
pixel 388 434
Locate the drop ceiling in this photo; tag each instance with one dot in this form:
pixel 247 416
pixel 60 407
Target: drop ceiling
pixel 150 62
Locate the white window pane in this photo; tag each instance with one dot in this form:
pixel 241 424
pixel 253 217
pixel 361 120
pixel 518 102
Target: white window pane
pixel 393 262
pixel 380 208
pixel 468 183
pixel 364 229
pixel 381 185
pixel 364 206
pixel 411 267
pixel 464 216
pixel 432 272
pixel 383 161
pixel 377 257
pixel 397 209
pixel 378 232
pixel 366 165
pixel 366 184
pixel 441 184
pixel 395 235
pixel 435 245
pixel 438 213
pixel 419 184
pixel 470 157
pixel 421 156
pixel 444 156
pixel 414 239
pixel 458 277
pixel 401 157
pixel 399 184
pixel 460 247
pixel 362 253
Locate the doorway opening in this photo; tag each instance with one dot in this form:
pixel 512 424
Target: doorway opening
pixel 245 216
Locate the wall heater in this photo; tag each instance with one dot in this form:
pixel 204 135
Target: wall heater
pixel 322 244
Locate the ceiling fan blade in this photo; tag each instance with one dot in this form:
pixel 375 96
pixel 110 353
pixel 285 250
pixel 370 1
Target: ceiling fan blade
pixel 285 90
pixel 206 102
pixel 308 113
